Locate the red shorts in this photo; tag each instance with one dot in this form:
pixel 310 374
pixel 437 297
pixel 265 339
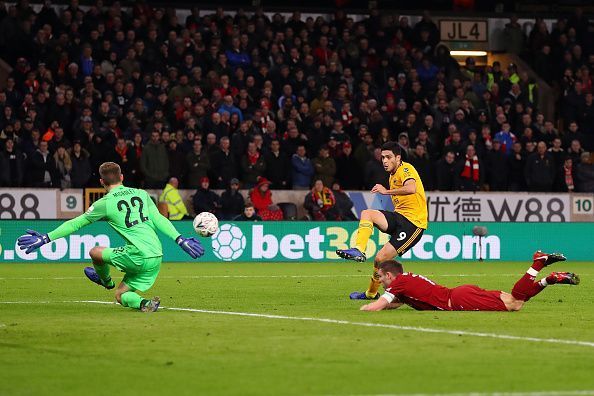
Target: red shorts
pixel 473 298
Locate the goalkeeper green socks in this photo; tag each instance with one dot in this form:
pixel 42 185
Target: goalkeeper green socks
pixel 131 299
pixel 103 272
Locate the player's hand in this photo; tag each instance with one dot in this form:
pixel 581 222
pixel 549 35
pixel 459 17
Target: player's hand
pixel 192 246
pixel 378 188
pixel 33 240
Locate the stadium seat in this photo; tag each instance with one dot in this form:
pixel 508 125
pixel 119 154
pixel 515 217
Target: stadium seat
pixel 289 210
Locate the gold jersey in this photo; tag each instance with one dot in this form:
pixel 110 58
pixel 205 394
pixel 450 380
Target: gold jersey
pixel 413 206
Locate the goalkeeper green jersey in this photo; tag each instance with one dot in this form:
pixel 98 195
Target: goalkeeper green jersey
pixel 132 214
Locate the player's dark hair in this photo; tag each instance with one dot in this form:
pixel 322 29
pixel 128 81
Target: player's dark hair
pixel 110 172
pixel 393 147
pixel 391 266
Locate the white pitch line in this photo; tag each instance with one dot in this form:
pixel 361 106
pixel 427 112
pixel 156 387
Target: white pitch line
pixel 264 276
pixel 344 322
pixel 537 393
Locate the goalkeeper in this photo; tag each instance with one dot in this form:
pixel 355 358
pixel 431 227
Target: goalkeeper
pixel 132 214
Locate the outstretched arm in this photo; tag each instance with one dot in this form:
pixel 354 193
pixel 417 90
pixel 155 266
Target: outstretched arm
pixel 161 222
pixel 34 239
pixel 69 227
pixel 386 301
pixel 192 246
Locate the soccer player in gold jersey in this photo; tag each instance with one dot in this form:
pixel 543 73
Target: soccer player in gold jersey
pixel 405 225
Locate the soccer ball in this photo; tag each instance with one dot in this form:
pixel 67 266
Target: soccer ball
pixel 206 224
pixel 229 242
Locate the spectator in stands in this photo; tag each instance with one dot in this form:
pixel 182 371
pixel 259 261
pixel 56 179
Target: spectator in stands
pixel 63 167
pixel 470 172
pixel 252 165
pixel 132 79
pixel 176 208
pixel 58 140
pixel 375 172
pixel 197 165
pixel 320 203
pixel 177 161
pixel 303 169
pixel 81 166
pixel 568 175
pixel 506 138
pixel 223 164
pixel 230 108
pixel 154 162
pixel 445 172
pixel 325 166
pixel 350 175
pixel 548 133
pixel 585 174
pixel 575 152
pixel 343 203
pixel 248 214
pixel 206 200
pixel 540 169
pixel 136 148
pixel 364 149
pixel 513 36
pixel 261 197
pixel 573 133
pixel 497 165
pixel 240 140
pixel 558 155
pixel 424 166
pixel 586 116
pixel 454 143
pixel 232 202
pixel 126 158
pixel 42 171
pixel 236 56
pixel 12 165
pixel 278 166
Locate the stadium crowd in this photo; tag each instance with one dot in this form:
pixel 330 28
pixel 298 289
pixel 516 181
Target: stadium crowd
pixel 218 98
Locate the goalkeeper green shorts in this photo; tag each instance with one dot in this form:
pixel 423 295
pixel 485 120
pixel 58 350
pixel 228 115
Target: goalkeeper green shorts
pixel 140 272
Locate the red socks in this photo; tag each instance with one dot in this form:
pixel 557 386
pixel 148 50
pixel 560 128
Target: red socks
pixel 526 288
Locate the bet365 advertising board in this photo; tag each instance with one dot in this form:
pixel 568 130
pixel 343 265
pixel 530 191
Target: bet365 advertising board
pixel 316 241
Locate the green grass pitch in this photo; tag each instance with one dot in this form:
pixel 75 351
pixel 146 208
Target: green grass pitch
pixel 52 345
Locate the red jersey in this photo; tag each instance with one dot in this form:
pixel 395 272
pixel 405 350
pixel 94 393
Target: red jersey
pixel 419 292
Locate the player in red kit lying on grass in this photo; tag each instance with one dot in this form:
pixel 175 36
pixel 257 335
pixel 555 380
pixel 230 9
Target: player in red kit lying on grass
pixel 423 294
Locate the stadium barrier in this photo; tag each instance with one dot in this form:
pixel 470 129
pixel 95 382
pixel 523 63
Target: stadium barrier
pixel 315 241
pixel 443 206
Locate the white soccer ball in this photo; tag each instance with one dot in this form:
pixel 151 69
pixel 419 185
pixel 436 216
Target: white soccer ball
pixel 229 242
pixel 206 224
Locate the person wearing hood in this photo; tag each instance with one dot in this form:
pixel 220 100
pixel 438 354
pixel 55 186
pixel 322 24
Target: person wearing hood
pixel 232 201
pixel 261 197
pixel 206 200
